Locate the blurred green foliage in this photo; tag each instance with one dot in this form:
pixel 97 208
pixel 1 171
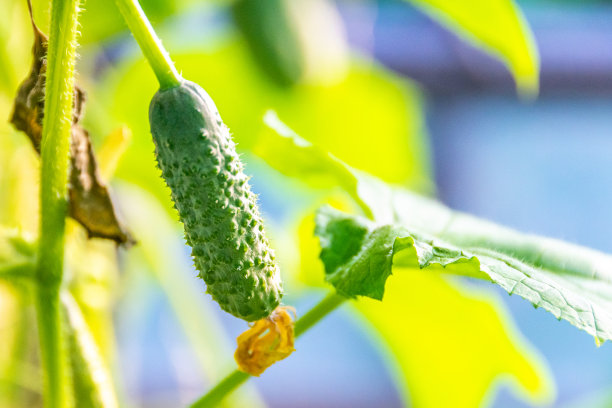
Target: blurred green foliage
pixel 499 27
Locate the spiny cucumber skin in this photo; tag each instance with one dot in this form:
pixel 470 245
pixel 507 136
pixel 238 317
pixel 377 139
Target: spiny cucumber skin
pixel 199 163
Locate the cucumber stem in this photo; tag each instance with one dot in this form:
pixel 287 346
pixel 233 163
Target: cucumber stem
pixel 319 311
pixel 55 147
pixel 237 377
pixel 149 43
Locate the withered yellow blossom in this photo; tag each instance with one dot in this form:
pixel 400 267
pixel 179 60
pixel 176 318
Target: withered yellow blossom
pixel 267 341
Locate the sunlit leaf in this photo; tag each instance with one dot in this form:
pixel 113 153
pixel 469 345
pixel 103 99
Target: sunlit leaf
pixel 101 19
pixel 450 344
pixel 571 282
pixel 496 25
pixel 115 144
pixel 93 282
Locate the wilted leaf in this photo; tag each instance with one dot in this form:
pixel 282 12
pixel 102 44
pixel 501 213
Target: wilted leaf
pixel 496 25
pixel 89 200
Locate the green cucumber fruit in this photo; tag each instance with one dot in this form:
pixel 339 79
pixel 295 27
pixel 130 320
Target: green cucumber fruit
pixel 199 163
pixel 273 38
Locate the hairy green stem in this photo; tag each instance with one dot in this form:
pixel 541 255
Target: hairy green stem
pixel 149 43
pixel 319 311
pixel 237 377
pixel 57 121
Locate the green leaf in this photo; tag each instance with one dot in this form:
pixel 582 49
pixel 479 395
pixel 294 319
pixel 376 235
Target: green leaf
pixel 311 164
pixel 571 282
pixel 498 26
pixel 448 344
pixel 357 257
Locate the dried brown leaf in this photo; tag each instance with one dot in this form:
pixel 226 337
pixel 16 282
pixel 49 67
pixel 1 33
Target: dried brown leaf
pixel 90 202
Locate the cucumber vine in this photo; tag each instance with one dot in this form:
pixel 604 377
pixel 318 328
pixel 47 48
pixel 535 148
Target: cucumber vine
pixel 57 122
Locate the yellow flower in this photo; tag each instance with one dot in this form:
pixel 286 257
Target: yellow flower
pixel 269 340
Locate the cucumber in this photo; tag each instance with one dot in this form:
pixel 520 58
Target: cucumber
pixel 273 38
pixel 211 192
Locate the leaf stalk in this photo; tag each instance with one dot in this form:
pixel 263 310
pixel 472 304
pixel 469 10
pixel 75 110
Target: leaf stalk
pixel 237 377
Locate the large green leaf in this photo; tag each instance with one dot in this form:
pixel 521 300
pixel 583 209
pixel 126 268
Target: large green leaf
pixel 571 282
pixel 496 25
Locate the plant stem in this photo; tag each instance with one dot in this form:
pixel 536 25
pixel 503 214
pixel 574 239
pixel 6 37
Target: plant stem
pixel 237 377
pixel 220 391
pixel 92 381
pixel 57 121
pixel 149 43
pixel 321 309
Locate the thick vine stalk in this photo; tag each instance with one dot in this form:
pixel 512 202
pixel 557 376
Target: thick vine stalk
pixel 55 145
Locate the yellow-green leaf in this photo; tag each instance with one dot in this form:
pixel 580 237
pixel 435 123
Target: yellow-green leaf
pixel 449 345
pixel 499 27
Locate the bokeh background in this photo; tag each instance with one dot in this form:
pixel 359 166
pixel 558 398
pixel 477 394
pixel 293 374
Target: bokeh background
pixel 402 97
